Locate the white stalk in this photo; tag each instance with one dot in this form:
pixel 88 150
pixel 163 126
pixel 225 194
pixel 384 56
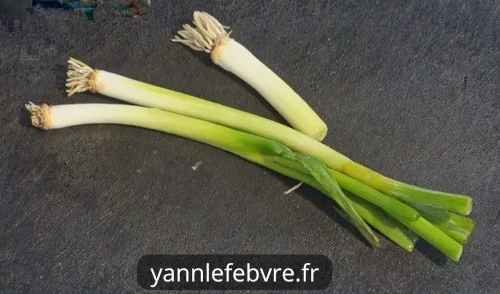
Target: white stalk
pixel 210 36
pixel 62 116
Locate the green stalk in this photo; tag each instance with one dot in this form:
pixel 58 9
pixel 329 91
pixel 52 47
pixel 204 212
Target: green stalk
pixel 391 205
pixel 421 226
pixel 434 236
pixel 319 172
pixel 386 225
pixel 454 225
pixel 83 78
pixel 461 204
pixel 373 215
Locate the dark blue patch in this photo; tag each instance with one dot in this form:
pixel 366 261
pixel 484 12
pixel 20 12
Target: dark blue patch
pixel 86 8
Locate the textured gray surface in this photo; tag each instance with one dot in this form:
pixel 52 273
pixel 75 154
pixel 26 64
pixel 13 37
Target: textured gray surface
pixel 80 206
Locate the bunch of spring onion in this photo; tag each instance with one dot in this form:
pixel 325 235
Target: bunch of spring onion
pixel 399 211
pixel 82 77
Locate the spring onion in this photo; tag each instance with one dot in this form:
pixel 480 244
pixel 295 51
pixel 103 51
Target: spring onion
pixel 210 35
pixel 245 145
pixel 82 77
pixel 260 150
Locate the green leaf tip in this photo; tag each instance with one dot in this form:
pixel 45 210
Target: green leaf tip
pixel 319 172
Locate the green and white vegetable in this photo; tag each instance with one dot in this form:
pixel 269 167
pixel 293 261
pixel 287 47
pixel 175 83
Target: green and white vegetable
pixel 268 153
pixel 210 35
pixel 82 78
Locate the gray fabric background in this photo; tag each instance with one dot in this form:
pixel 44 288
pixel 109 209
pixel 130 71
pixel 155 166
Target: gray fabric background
pixel 80 206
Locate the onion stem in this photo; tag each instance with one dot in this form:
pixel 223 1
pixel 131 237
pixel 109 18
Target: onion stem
pixel 385 224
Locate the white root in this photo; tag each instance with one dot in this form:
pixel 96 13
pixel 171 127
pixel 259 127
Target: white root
pixel 293 188
pixel 40 115
pixel 80 78
pixel 205 35
pixel 32 107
